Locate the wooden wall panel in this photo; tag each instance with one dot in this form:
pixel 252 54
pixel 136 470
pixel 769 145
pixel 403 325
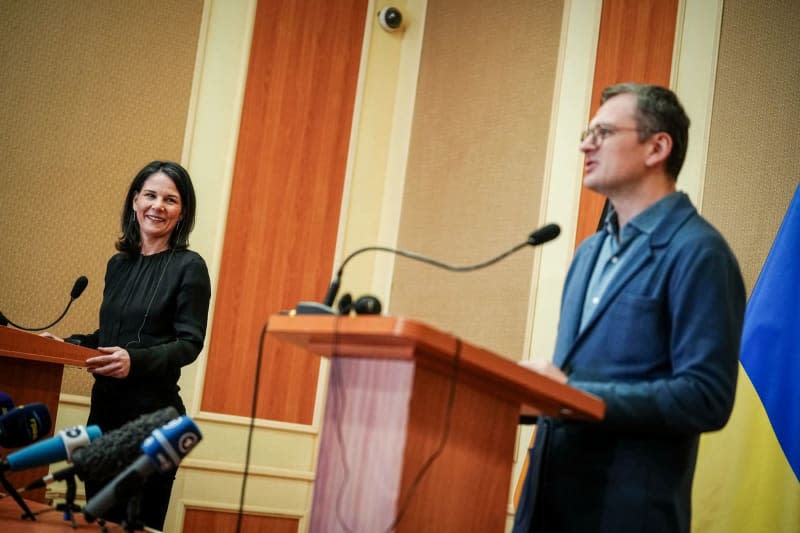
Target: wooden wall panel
pixel 205 520
pixel 635 44
pixel 283 213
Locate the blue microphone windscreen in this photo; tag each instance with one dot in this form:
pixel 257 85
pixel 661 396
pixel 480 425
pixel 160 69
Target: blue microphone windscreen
pixel 169 444
pixel 54 449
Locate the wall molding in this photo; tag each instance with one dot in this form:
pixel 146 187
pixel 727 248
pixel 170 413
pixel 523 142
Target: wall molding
pixel 694 73
pixel 253 470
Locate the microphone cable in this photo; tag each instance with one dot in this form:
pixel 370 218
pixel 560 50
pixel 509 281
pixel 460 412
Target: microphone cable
pixel 401 511
pixel 150 303
pixel 335 379
pixel 251 427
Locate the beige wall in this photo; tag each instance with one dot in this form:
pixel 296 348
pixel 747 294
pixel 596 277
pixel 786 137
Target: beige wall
pixel 476 162
pixel 752 174
pixel 92 91
pixel 752 165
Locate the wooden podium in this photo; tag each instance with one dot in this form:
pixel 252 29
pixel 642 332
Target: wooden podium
pixel 31 367
pixel 420 427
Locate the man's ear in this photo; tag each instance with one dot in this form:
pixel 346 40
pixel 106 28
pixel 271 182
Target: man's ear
pixel 660 146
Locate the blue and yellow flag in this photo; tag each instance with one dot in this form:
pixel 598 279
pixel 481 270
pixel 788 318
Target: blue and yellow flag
pixel 771 336
pixel 751 481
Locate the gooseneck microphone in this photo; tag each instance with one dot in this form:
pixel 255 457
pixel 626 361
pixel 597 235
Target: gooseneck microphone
pixel 77 290
pixel 540 236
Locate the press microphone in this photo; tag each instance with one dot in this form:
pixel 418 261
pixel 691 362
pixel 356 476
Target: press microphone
pixel 24 424
pixel 52 450
pixel 540 236
pixel 6 403
pixel 162 451
pixel 107 455
pixel 77 290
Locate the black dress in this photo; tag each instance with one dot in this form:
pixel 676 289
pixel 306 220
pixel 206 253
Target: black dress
pixel 156 307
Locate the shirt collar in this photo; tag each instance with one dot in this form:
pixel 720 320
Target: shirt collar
pixel 646 221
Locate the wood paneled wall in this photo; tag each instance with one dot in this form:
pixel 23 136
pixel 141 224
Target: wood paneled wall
pixel 283 214
pixel 635 44
pixel 202 520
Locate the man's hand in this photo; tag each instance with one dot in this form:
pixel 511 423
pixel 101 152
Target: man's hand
pixel 545 368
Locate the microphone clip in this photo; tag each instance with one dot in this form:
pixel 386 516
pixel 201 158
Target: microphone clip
pixel 312 308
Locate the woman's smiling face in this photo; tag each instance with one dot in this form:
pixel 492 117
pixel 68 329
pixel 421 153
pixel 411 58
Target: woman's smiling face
pixel 158 209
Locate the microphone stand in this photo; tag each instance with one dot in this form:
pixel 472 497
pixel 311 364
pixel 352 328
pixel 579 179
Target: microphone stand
pixel 132 521
pixel 27 514
pixel 68 507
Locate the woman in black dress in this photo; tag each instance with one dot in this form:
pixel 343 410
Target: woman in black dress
pixel 153 316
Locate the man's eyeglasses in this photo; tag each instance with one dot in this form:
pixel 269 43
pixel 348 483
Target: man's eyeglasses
pixel 598 133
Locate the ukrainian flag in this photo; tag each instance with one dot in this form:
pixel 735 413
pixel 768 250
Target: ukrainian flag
pixel 748 476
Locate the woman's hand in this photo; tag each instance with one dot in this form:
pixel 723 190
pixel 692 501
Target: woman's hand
pixel 117 364
pixel 50 336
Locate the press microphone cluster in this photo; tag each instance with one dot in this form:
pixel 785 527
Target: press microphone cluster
pixel 77 290
pixel 162 451
pixel 540 236
pixel 111 452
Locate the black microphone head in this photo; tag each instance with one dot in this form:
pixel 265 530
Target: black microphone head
pixel 345 303
pixel 544 234
pixel 6 403
pixel 109 454
pixel 24 425
pixel 79 287
pixel 367 305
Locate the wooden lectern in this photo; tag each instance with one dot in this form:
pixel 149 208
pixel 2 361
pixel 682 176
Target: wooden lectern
pixel 420 427
pixel 31 367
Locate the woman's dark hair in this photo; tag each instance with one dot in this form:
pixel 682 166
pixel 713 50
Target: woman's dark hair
pixel 130 241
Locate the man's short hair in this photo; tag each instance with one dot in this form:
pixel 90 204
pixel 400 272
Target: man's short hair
pixel 657 110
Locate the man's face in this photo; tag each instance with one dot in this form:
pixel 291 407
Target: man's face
pixel 615 159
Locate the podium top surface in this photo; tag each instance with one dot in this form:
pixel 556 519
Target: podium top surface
pixel 19 344
pixel 380 337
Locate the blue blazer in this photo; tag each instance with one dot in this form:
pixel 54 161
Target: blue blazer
pixel 662 351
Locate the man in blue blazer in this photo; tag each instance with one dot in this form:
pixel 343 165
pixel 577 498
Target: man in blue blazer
pixel 651 317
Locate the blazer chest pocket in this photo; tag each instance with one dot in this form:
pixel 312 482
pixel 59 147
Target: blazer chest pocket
pixel 639 329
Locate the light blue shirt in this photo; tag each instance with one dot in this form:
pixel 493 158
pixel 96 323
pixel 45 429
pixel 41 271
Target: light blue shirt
pixel 618 247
